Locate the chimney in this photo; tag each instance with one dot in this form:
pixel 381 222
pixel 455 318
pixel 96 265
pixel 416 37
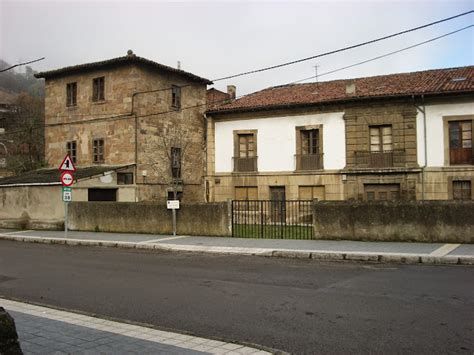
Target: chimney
pixel 179 64
pixel 350 89
pixel 231 91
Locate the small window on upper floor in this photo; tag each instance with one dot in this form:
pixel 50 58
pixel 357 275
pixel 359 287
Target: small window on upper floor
pixel 98 89
pixel 71 94
pixel 71 148
pixel 98 150
pixel 176 97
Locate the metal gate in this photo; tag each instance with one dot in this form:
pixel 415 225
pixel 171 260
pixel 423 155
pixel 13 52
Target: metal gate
pixel 278 219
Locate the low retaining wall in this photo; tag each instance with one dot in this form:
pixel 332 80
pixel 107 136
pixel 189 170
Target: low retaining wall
pixel 418 221
pixel 31 207
pixel 192 219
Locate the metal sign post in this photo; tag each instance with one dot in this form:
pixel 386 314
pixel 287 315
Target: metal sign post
pixel 67 197
pixel 67 169
pixel 173 205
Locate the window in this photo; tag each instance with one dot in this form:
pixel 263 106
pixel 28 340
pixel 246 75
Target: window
pixel 311 193
pixel 460 142
pixel 71 148
pixel 309 141
pixel 462 190
pixel 245 150
pixel 71 94
pixel 98 150
pixel 124 178
pixel 175 96
pixel 102 194
pixel 246 193
pixel 98 89
pixel 380 138
pixel 246 145
pixel 382 192
pixel 176 162
pixel 308 149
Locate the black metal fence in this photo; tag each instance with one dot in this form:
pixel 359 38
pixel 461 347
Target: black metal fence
pixel 272 219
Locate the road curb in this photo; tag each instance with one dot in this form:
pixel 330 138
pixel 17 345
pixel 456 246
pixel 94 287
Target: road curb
pixel 389 258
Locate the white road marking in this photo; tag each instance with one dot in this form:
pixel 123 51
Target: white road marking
pixel 18 232
pixel 444 250
pixel 163 239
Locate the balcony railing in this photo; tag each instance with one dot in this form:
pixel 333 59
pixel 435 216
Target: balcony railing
pixel 309 161
pixel 245 165
pixel 385 159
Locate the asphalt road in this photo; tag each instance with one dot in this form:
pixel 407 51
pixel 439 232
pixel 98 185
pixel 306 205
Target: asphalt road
pixel 300 306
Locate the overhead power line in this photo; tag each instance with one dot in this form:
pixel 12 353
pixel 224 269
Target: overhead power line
pixel 383 55
pixel 343 49
pixel 19 64
pixel 129 115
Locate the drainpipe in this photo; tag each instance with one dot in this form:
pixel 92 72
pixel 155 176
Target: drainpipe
pixel 425 163
pixel 136 146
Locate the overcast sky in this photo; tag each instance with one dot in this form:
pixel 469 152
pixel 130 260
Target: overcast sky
pixel 215 39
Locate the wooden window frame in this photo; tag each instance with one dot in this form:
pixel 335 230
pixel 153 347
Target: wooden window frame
pixel 380 135
pixel 446 121
pixel 453 178
pixel 98 89
pixel 71 149
pixel 176 97
pixel 299 145
pixel 237 134
pixel 98 150
pixel 125 178
pixel 247 192
pixel 71 94
pixel 462 181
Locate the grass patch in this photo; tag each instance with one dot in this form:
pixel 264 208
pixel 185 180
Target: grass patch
pixel 272 231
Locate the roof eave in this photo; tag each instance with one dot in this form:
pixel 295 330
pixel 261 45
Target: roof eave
pixel 331 102
pixel 114 62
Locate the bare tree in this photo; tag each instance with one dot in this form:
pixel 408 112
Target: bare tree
pixel 24 135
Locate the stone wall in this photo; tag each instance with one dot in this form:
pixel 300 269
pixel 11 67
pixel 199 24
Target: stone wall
pixel 158 126
pixel 31 207
pixel 416 221
pixel 154 218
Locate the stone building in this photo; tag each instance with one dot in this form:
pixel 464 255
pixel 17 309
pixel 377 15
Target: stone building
pixel 135 115
pixel 400 136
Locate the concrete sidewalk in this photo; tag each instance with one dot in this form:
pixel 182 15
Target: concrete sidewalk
pixel 413 253
pixel 43 330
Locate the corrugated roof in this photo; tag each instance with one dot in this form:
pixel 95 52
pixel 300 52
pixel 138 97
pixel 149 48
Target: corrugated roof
pixel 438 81
pixel 128 59
pixel 51 176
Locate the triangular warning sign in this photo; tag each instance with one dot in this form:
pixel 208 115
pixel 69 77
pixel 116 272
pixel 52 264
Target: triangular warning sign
pixel 67 164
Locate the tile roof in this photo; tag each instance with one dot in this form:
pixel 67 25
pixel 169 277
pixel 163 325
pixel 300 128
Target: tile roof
pixel 51 176
pixel 128 59
pixel 438 81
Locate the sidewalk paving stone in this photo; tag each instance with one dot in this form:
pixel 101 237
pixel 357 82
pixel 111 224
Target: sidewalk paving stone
pixel 43 331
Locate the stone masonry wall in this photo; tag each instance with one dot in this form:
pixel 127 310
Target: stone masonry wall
pixel 192 219
pixel 415 221
pixel 156 119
